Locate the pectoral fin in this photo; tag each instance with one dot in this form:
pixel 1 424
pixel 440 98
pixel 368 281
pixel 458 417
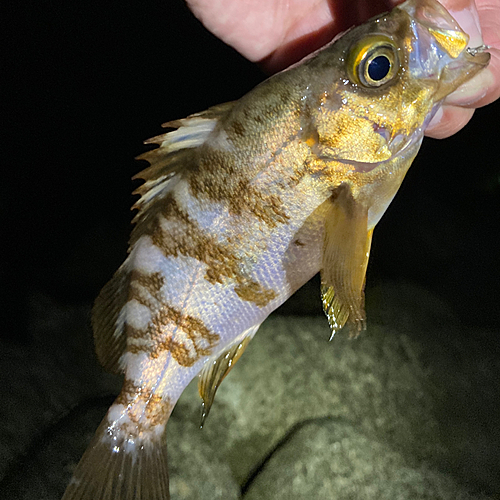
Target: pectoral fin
pixel 214 372
pixel 346 250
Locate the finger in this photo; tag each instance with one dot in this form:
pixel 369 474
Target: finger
pixel 317 24
pixel 489 17
pixel 482 24
pixel 448 121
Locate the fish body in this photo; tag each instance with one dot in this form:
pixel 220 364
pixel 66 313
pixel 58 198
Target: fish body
pixel 241 205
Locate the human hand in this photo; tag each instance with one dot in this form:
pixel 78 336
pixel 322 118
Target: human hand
pixel 276 33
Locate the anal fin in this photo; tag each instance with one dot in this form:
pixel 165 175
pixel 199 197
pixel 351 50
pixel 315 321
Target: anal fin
pixel 214 372
pixel 346 251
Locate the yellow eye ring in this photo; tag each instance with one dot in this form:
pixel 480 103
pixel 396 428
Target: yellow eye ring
pixel 373 61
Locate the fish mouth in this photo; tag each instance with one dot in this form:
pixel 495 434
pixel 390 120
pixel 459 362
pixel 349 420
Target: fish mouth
pixel 440 48
pixel 474 51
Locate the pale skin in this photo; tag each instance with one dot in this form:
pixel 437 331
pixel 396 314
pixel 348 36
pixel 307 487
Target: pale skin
pixel 277 33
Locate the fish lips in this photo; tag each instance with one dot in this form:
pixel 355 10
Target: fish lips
pixel 463 69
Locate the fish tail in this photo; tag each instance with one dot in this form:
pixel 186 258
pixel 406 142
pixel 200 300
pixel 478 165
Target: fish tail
pixel 121 466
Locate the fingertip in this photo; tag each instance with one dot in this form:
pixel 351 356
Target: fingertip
pixel 448 121
pixel 493 89
pixel 489 17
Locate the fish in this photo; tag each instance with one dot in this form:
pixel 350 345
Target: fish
pixel 245 202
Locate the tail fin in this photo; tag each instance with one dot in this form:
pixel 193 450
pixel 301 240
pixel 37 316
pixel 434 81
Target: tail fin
pixel 120 469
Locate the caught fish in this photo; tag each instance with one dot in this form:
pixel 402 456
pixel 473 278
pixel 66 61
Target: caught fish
pixel 241 205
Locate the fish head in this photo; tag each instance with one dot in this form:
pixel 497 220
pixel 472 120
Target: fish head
pixel 376 89
pixel 389 77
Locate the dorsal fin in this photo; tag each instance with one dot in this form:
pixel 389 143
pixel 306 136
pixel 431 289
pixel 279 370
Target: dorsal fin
pixel 346 250
pixel 214 372
pixel 174 154
pixel 108 321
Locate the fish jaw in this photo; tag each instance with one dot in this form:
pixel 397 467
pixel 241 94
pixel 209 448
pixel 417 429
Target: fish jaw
pixel 439 48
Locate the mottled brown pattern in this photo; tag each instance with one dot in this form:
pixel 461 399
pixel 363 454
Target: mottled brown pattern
pixel 260 135
pixel 222 263
pixel 227 176
pixel 148 211
pixel 202 339
pixel 193 340
pixel 237 128
pixel 235 190
pixel 253 292
pixel 190 241
pixel 252 117
pixel 134 334
pixel 218 178
pixel 152 283
pixel 248 162
pixel 146 289
pixel 156 409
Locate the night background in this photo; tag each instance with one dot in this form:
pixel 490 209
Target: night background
pixel 83 84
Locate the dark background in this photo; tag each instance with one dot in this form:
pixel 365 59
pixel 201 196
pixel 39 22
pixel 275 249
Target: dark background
pixel 85 83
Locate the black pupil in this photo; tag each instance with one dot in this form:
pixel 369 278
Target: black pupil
pixel 378 68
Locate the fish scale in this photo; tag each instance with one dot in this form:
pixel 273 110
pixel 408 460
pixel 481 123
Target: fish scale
pixel 245 202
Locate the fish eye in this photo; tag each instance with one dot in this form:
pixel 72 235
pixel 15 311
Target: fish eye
pixel 378 68
pixel 373 61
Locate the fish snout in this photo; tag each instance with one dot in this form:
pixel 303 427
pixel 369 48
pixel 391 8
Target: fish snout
pixel 439 48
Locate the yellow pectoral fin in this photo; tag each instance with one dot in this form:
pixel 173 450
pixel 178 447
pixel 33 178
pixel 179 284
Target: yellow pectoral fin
pixel 346 250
